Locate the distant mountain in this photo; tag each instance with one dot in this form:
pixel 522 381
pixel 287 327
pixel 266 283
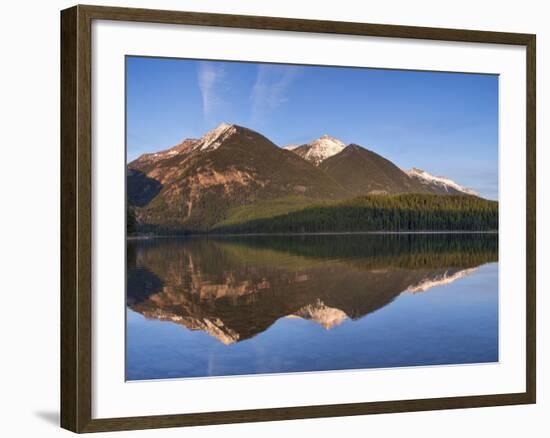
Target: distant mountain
pixel 319 150
pixel 362 179
pixel 361 171
pixel 229 166
pixel 438 184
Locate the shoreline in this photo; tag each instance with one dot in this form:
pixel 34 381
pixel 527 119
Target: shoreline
pixel 326 233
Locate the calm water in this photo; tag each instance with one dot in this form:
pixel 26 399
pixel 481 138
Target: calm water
pixel 227 306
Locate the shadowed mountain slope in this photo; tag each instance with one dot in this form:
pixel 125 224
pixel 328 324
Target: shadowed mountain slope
pixel 362 171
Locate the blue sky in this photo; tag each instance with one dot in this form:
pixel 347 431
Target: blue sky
pixel 444 123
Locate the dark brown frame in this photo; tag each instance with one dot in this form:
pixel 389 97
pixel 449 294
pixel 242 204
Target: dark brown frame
pixel 76 243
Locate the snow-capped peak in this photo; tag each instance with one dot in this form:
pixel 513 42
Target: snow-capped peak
pixel 291 147
pixel 323 148
pixel 214 138
pixel 440 181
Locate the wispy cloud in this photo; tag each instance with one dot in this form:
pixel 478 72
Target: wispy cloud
pixel 211 76
pixel 270 89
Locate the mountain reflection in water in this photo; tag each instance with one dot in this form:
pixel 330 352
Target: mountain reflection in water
pixel 235 288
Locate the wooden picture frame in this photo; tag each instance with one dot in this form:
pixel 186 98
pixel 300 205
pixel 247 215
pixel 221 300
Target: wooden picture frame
pixel 76 217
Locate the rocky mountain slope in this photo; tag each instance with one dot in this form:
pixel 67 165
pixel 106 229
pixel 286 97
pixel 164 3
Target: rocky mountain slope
pixel 229 166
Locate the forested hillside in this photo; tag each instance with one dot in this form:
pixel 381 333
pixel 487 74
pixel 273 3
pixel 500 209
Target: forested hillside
pixel 406 212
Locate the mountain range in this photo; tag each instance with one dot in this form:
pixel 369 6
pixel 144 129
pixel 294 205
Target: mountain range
pixel 200 183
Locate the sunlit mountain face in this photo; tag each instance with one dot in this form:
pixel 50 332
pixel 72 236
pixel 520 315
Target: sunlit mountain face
pixel 236 288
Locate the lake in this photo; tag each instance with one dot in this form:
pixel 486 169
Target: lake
pixel 216 306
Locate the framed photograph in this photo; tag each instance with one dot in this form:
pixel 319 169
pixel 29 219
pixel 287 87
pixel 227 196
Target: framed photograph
pixel 270 218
